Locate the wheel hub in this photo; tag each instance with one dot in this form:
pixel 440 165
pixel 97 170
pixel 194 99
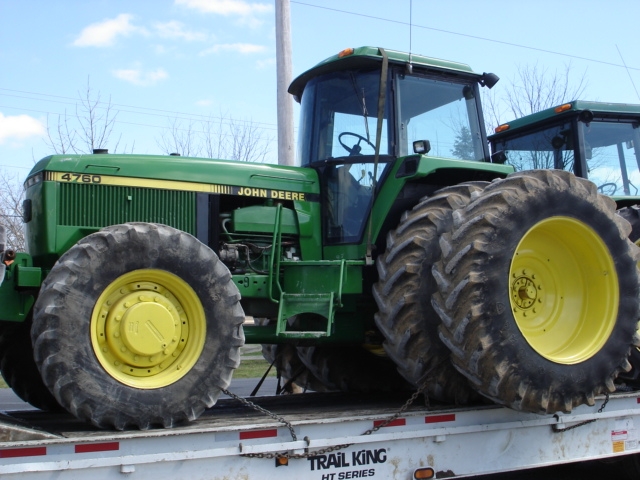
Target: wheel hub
pixel 143 328
pixel 563 289
pixel 148 328
pixel 143 325
pixel 525 292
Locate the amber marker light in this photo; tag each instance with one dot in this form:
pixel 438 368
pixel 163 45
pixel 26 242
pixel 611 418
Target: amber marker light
pixel 421 473
pixel 282 461
pixel 346 52
pixel 502 128
pixel 562 108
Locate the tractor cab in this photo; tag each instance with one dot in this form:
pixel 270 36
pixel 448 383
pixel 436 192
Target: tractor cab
pixel 403 104
pixel 598 141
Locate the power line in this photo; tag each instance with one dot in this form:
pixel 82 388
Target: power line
pixel 501 42
pixel 162 127
pixel 144 110
pixel 15 166
pixel 57 113
pixel 628 73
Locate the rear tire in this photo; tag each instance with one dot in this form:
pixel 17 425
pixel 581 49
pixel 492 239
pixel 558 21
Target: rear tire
pixel 632 215
pixel 403 293
pixel 526 268
pixel 137 325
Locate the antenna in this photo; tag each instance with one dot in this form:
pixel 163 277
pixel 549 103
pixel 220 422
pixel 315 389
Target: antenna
pixel 410 23
pixel 628 73
pixel 410 66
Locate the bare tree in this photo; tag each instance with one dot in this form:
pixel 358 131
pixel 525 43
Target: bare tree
pixel 217 137
pixel 181 138
pixel 248 142
pixel 533 89
pixel 89 128
pixel 11 196
pixel 215 144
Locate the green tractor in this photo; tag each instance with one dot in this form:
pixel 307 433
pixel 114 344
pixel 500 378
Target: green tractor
pixel 398 256
pixel 594 140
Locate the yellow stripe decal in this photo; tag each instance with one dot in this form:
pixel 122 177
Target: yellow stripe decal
pixel 94 179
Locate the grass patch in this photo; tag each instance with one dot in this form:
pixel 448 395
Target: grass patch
pixel 253 369
pixel 3 384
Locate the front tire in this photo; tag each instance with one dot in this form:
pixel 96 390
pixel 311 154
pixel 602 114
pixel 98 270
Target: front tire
pixel 538 292
pixel 137 325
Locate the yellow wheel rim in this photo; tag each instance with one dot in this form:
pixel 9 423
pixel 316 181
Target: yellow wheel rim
pixel 564 290
pixel 148 328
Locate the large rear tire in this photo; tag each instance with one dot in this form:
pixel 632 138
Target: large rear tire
pixel 632 215
pixel 403 293
pixel 137 325
pixel 538 292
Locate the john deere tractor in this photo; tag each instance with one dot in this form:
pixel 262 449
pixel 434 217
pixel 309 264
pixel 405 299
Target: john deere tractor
pixel 398 256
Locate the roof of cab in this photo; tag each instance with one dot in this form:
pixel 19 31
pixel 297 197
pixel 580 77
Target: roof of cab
pixel 368 56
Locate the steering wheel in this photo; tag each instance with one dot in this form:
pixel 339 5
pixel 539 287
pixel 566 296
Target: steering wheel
pixel 609 186
pixel 356 149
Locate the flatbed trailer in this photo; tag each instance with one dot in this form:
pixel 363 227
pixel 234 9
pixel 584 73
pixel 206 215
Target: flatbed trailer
pixel 333 437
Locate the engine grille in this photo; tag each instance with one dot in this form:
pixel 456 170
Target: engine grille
pixel 101 205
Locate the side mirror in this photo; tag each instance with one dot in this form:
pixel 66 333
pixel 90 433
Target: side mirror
pixel 586 116
pixel 499 157
pixel 489 80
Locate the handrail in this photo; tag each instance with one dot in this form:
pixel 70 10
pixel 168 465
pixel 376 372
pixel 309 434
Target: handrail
pixel 343 262
pixel 274 263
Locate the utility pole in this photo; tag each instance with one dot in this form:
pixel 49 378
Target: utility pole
pixel 286 151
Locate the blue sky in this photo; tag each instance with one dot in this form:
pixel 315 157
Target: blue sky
pixel 162 60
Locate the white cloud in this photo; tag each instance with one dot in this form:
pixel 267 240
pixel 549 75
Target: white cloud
pixel 139 77
pixel 242 48
pixel 227 7
pixel 250 22
pixel 104 34
pixel 161 49
pixel 204 103
pixel 175 29
pixel 18 127
pixel 268 63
